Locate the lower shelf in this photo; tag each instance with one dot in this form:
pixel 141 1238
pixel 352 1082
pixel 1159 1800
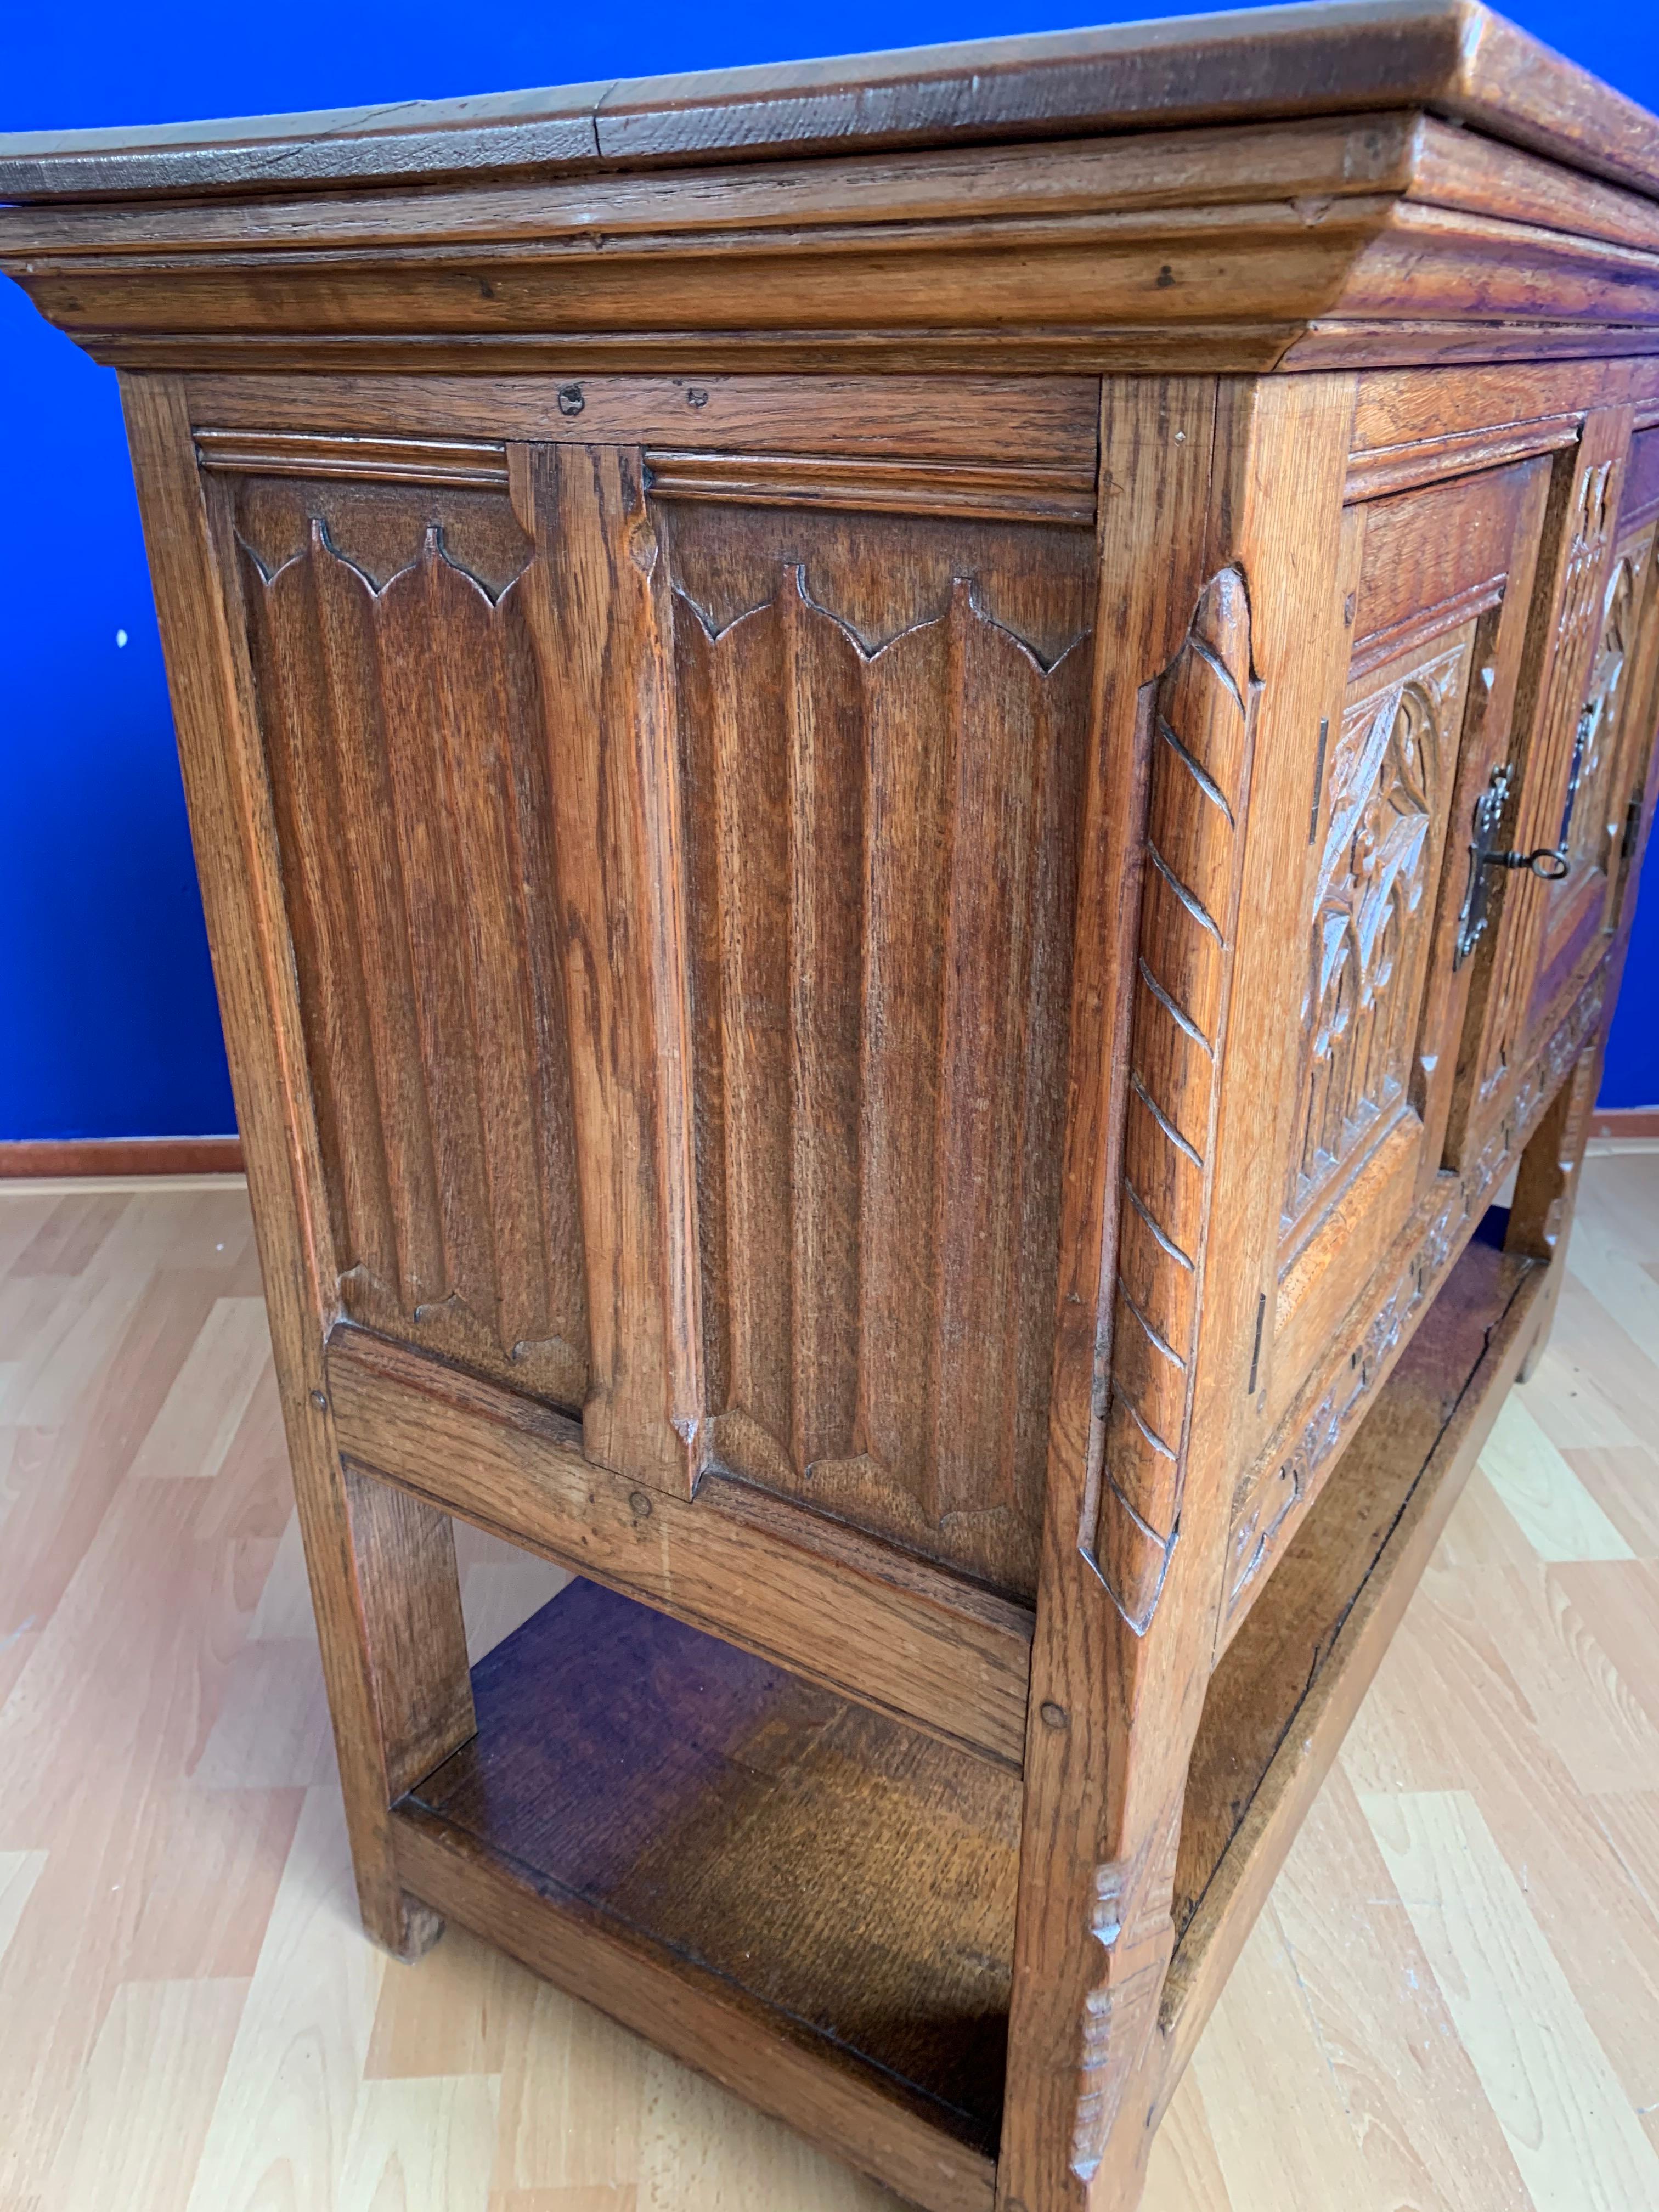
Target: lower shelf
pixel 1280 1701
pixel 815 1903
pixel 803 1899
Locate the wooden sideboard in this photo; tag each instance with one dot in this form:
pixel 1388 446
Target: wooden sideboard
pixel 914 780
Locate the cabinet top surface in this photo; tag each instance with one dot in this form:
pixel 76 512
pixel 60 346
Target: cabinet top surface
pixel 1453 58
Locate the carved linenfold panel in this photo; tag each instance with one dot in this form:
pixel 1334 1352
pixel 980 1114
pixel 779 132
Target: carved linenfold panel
pixel 402 732
pixel 1283 1483
pixel 1202 714
pixel 1384 809
pixel 1131 1918
pixel 880 866
pixel 879 572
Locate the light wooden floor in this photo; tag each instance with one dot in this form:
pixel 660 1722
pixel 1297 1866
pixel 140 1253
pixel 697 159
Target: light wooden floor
pixel 1451 2002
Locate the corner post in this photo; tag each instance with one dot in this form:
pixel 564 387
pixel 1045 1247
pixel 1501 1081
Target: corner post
pixel 381 1565
pixel 1221 636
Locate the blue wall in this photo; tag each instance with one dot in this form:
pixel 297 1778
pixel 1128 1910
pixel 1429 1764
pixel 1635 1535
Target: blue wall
pixel 107 1024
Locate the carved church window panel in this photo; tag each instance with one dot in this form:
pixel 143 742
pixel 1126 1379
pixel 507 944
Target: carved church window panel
pixel 400 705
pixel 881 821
pixel 1594 810
pixel 1577 909
pixel 1524 973
pixel 1384 804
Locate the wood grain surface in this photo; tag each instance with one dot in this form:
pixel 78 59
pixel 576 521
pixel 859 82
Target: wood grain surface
pixel 1357 54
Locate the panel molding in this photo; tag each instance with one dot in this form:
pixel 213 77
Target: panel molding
pixel 989 491
pixel 1416 463
pixel 358 460
pixel 1051 422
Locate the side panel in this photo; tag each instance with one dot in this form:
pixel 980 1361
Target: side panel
pixel 680 857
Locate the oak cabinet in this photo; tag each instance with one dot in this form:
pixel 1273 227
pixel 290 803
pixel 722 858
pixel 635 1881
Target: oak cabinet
pixel 911 779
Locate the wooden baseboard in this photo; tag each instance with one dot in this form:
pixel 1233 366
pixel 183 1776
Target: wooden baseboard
pixel 120 1156
pixel 1625 1122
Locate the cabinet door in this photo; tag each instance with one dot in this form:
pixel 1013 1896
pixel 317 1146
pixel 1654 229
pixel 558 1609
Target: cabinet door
pixel 1540 937
pixel 1606 767
pixel 1439 582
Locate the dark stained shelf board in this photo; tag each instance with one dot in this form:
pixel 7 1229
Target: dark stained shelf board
pixel 1451 57
pixel 850 1877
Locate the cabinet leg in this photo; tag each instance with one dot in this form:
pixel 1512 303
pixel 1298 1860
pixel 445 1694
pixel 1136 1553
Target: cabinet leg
pixel 387 1600
pixel 1547 1188
pixel 1085 2066
pixel 381 1565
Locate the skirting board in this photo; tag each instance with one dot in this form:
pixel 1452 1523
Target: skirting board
pixel 1625 1122
pixel 120 1156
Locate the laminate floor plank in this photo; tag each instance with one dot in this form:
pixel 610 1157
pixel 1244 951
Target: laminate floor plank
pixel 1577 2140
pixel 1427 2130
pixel 1184 2172
pixel 1279 2117
pixel 207 2031
pixel 204 1409
pixel 1624 1480
pixel 1532 1476
pixel 145 2102
pixel 1446 1713
pixel 1596 1372
pixel 283 2123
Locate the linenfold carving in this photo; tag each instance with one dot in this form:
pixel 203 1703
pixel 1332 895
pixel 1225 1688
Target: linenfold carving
pixel 408 770
pixel 1284 1481
pixel 879 862
pixel 1131 1917
pixel 1202 720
